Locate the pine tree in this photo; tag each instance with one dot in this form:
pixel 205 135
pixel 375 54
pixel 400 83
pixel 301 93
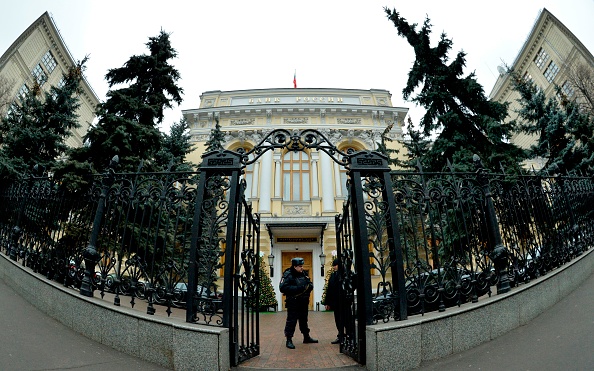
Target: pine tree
pixel 175 147
pixel 128 120
pixel 416 144
pixel 465 121
pixel 326 280
pixel 384 148
pixel 35 131
pixel 216 139
pixel 565 134
pixel 267 295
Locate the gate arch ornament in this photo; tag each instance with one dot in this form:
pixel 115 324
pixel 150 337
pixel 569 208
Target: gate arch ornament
pixel 223 217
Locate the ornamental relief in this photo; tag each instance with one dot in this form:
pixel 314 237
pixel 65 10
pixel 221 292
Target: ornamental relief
pixel 296 210
pixel 296 120
pixel 348 121
pixel 243 122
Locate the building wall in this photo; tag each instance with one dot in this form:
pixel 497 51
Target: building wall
pixel 347 118
pixel 18 62
pixel 562 48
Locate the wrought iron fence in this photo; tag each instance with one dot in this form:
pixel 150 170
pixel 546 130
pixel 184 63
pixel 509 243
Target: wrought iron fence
pixel 459 234
pixel 142 244
pixel 463 233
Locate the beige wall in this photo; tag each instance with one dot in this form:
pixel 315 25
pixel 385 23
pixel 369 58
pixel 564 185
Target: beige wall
pixel 563 48
pixel 27 51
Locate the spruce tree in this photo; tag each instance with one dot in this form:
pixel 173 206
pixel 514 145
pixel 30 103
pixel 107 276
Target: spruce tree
pixel 175 147
pixel 267 294
pixel 416 144
pixel 216 139
pixel 457 110
pixel 384 148
pixel 128 120
pixel 36 129
pixel 565 134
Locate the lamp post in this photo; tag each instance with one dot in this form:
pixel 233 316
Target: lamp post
pixel 271 264
pixel 322 262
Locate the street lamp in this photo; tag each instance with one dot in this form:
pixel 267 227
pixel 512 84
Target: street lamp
pixel 270 264
pixel 323 262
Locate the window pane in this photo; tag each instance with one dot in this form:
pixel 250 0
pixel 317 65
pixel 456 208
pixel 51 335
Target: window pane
pixel 305 185
pixel 296 187
pixel 286 186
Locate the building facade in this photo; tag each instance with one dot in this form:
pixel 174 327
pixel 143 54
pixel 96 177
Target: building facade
pixel 40 55
pixel 297 194
pixel 548 56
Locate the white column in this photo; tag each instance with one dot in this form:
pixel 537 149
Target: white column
pixel 337 185
pixel 277 175
pixel 255 179
pixel 314 174
pixel 328 204
pixel 264 206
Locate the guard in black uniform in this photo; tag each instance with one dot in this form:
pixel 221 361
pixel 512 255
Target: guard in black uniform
pixel 296 286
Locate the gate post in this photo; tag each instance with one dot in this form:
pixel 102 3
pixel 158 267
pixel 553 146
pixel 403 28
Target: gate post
pixel 215 163
pixel 373 167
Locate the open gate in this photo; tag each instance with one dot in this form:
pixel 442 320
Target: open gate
pixel 222 217
pixel 367 238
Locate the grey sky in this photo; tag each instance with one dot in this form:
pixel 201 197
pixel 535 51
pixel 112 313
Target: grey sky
pixel 237 44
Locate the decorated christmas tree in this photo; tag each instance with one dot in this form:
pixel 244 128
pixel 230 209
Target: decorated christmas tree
pixel 267 295
pixel 328 273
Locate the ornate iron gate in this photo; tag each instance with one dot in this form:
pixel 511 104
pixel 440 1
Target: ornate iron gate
pixel 368 238
pixel 222 213
pixel 226 235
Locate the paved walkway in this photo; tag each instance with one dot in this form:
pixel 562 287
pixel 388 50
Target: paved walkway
pixel 562 338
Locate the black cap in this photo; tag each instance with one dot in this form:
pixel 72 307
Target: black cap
pixel 297 261
pixel 335 262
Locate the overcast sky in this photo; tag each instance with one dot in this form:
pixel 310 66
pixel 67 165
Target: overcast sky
pixel 258 44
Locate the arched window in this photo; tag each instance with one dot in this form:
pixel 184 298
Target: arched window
pixel 296 180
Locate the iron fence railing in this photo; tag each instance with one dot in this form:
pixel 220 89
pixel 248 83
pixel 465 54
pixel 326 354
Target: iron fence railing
pixel 459 234
pixel 463 233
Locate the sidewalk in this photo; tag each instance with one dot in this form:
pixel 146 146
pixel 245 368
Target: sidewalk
pixel 561 338
pixel 31 340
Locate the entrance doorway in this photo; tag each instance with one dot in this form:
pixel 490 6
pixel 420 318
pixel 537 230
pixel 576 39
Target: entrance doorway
pixel 308 263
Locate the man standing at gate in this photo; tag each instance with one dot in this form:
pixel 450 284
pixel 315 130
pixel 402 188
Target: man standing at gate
pixel 333 298
pixel 296 286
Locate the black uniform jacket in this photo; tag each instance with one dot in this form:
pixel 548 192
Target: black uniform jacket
pixel 295 285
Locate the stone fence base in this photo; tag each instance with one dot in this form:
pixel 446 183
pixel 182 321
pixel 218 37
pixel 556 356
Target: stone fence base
pixel 182 346
pixel 404 345
pixel 168 342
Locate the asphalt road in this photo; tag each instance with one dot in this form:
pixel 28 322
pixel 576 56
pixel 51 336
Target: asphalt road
pixel 561 338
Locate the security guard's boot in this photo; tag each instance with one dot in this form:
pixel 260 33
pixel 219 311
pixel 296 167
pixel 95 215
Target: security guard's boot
pixel 290 344
pixel 309 340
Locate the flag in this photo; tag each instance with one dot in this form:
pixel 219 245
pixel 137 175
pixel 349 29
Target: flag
pixel 295 79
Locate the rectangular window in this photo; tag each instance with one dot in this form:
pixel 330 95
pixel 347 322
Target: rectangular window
pixel 39 75
pixel 49 62
pixel 551 71
pixel 541 58
pixel 23 91
pixel 567 89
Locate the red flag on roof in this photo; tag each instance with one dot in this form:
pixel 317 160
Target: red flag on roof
pixel 295 79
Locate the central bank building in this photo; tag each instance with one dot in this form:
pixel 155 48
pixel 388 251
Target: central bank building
pixel 297 194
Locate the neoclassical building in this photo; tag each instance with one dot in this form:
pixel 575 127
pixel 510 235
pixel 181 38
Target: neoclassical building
pixel 297 194
pixel 40 55
pixel 550 52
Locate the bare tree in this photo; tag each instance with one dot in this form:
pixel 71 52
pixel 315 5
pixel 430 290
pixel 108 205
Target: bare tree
pixel 581 78
pixel 6 97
